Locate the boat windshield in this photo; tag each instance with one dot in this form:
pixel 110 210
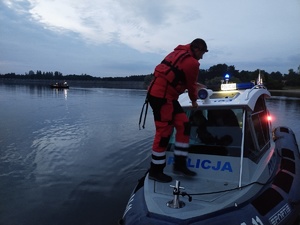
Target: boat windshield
pixel 216 132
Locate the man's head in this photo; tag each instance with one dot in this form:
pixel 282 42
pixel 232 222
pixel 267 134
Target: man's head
pixel 198 48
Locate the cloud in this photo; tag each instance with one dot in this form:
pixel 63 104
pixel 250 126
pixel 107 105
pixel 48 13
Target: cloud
pixel 147 26
pixel 136 23
pixel 236 31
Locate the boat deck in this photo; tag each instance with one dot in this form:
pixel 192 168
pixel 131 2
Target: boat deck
pixel 202 189
pixel 211 196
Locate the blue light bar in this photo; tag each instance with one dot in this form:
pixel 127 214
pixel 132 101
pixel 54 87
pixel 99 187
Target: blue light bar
pixel 242 86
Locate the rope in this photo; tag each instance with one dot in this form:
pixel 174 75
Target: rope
pixel 217 192
pixel 146 103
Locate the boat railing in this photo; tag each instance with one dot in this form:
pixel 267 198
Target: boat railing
pixel 254 87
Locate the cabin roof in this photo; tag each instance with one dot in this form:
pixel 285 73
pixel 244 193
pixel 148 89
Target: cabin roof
pixel 232 99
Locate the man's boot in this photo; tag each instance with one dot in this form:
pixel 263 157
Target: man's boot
pixel 156 173
pixel 181 167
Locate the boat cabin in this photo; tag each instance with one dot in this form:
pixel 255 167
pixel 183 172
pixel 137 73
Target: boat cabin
pixel 230 135
pixel 219 130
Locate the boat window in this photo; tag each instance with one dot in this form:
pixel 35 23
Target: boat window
pixel 224 94
pixel 216 132
pixel 257 138
pixel 250 149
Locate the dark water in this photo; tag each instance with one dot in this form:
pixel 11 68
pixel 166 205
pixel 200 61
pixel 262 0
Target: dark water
pixel 73 156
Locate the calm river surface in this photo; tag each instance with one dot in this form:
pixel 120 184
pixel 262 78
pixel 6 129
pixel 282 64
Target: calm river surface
pixel 72 157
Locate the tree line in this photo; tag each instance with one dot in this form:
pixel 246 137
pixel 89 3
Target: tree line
pixel 210 77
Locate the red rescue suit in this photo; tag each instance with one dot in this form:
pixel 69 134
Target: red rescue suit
pixel 176 73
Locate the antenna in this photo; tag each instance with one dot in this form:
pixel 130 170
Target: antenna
pixel 259 79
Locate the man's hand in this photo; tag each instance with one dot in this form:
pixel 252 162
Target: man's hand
pixel 194 104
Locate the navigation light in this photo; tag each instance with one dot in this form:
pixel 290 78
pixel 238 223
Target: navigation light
pixel 204 94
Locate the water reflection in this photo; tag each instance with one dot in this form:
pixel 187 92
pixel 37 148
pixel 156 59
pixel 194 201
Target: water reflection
pixel 285 111
pixel 60 91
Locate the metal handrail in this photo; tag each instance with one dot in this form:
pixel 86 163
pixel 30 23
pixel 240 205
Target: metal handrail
pixel 254 87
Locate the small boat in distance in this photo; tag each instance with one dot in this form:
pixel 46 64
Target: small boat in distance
pixel 60 85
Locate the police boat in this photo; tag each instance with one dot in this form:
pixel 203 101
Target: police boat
pixel 247 173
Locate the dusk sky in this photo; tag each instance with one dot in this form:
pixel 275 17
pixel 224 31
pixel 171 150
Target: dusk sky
pixel 130 37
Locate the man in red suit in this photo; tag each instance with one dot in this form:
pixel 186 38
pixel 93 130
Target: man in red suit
pixel 175 74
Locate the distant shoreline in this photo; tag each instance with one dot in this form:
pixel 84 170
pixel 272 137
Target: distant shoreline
pixel 287 91
pixel 293 93
pixel 109 84
pixel 79 83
